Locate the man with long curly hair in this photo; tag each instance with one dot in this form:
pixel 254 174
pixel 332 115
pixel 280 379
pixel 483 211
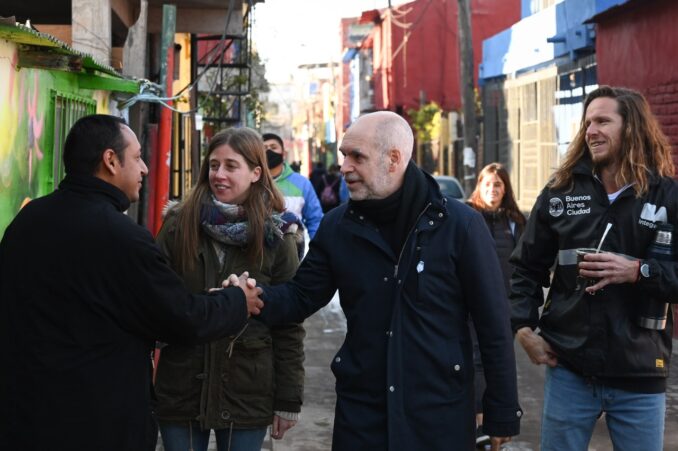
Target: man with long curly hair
pixel 618 171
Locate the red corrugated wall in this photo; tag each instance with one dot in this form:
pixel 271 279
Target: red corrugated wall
pixel 638 48
pixel 428 60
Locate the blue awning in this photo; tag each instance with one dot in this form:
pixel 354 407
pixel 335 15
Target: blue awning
pixel 553 33
pixel 350 54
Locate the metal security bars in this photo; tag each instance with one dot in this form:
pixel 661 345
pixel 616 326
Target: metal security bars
pixel 67 110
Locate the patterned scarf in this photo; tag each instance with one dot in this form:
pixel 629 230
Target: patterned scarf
pixel 227 223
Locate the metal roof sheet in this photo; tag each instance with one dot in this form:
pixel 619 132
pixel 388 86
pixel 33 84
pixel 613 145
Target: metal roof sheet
pixel 21 34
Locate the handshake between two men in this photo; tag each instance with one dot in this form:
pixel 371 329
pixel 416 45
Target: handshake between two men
pixel 249 287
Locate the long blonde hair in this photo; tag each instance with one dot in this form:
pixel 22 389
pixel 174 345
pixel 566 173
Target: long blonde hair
pixel 644 147
pixel 262 200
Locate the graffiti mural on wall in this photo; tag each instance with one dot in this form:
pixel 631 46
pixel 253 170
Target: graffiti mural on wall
pixel 24 102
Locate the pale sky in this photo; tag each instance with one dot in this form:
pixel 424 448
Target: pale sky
pixel 288 33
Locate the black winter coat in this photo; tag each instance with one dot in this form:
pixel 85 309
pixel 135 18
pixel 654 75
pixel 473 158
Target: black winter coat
pixel 84 292
pixel 597 336
pixel 404 375
pixel 506 234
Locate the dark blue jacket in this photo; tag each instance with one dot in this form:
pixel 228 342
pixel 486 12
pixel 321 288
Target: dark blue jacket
pixel 404 375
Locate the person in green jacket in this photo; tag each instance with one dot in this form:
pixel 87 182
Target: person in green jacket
pixel 231 222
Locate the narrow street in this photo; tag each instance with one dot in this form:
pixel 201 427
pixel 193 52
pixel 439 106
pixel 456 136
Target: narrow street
pixel 324 334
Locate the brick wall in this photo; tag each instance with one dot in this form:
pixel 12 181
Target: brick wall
pixel 663 99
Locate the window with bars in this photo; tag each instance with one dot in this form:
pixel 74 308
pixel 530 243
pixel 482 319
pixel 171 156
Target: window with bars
pixel 67 110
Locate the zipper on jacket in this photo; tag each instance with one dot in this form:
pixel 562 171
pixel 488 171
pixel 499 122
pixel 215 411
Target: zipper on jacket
pixel 395 272
pixel 232 343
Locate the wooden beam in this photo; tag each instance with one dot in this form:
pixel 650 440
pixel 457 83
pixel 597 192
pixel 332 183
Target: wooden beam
pixel 44 58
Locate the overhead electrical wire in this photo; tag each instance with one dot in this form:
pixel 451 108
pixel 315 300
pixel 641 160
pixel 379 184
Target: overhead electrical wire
pixel 154 98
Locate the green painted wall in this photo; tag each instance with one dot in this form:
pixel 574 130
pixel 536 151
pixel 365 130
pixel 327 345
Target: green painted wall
pixel 27 129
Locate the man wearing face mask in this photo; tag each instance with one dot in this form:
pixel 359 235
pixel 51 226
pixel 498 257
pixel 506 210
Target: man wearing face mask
pixel 300 197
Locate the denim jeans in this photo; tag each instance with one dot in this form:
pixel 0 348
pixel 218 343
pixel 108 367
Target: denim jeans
pixel 572 405
pixel 180 438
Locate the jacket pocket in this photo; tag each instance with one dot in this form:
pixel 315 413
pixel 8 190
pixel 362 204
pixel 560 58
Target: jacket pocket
pixel 458 366
pixel 355 374
pixel 179 379
pixel 432 278
pixel 252 367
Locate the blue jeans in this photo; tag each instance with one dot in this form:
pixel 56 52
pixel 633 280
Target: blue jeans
pixel 572 405
pixel 180 438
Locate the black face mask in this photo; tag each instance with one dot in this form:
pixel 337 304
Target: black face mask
pixel 273 159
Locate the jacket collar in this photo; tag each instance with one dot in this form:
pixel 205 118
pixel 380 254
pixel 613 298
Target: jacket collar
pixel 584 166
pixel 434 211
pixel 96 187
pixel 286 172
pixel 437 199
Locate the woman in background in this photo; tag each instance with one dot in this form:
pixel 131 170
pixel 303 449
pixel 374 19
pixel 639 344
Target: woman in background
pixel 493 198
pixel 237 386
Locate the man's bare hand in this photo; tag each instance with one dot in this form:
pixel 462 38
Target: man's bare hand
pixel 249 286
pixel 608 268
pixel 254 304
pixel 496 442
pixel 539 351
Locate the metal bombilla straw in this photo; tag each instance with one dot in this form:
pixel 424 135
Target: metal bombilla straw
pixel 607 229
pixel 600 245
